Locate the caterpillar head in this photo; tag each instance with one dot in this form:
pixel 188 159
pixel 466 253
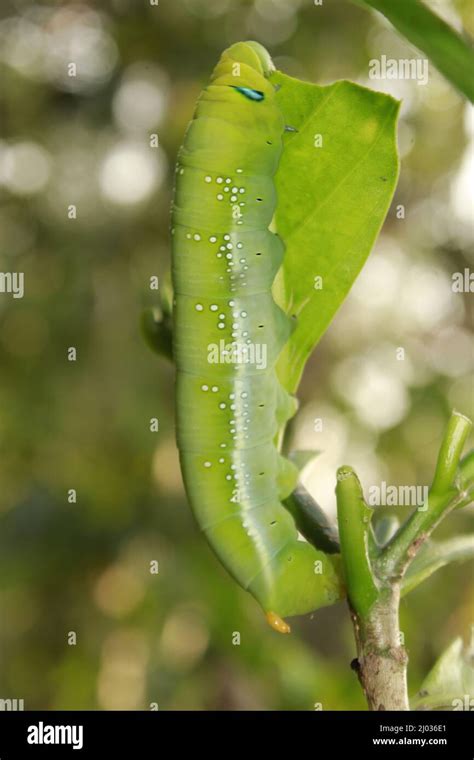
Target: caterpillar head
pixel 244 63
pixel 265 63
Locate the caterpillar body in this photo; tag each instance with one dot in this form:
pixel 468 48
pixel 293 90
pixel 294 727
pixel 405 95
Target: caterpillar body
pixel 230 406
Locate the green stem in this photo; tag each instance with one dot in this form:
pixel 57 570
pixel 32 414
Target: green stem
pixel 450 452
pixel 354 522
pixel 373 582
pixel 381 659
pixel 449 51
pixel 442 498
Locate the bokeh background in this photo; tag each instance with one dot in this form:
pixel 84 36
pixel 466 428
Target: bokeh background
pixel 84 567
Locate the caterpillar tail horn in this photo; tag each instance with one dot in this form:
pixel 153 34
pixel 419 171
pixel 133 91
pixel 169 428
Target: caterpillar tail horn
pixel 277 623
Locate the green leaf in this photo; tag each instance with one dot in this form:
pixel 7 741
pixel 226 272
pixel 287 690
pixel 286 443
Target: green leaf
pixel 452 54
pixel 332 201
pixel 450 684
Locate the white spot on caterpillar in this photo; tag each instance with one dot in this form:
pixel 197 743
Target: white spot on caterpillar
pixel 228 255
pixel 181 171
pixel 213 307
pixel 229 246
pixel 221 460
pixel 221 325
pixel 207 464
pixel 204 387
pixel 221 316
pixel 220 197
pixel 228 181
pixel 208 179
pixel 231 303
pixel 226 237
pixel 243 314
pixel 244 394
pixel 233 198
pixel 219 180
pixel 199 307
pixel 214 389
pixel 188 235
pixel 240 245
pixel 197 236
pixel 239 171
pixel 231 396
pixel 241 189
pixel 226 190
pixel 213 239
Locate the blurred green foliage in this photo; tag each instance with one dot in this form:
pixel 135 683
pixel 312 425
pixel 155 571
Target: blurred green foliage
pixel 84 567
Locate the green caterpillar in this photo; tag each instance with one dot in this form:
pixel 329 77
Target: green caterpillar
pixel 228 333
